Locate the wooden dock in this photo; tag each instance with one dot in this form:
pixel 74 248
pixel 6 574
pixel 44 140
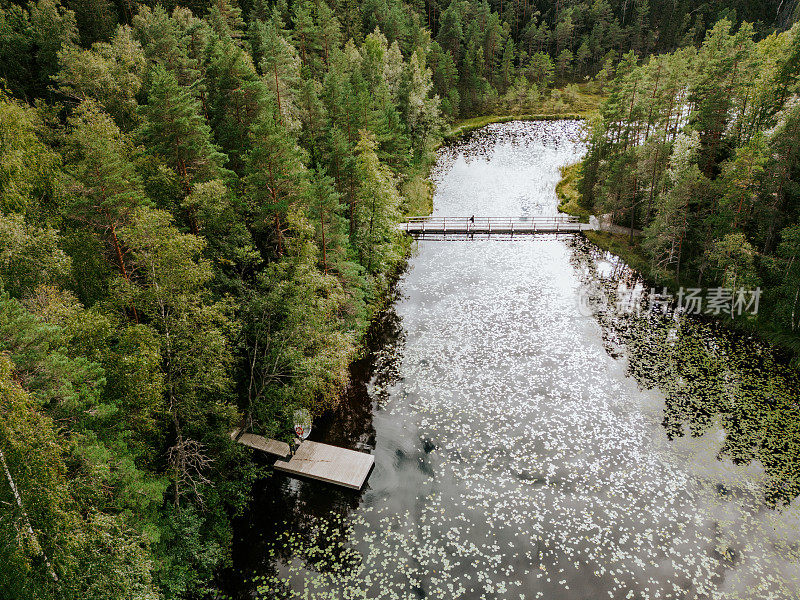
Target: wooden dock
pixel 258 442
pixel 331 464
pixel 509 226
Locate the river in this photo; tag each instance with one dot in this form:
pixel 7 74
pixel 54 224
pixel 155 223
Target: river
pixel 532 442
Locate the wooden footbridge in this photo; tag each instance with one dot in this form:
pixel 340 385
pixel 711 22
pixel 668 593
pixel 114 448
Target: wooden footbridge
pixel 339 466
pixel 488 226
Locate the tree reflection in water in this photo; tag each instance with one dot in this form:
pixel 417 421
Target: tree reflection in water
pixel 708 373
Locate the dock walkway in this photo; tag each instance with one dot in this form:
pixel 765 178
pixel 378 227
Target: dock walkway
pixel 259 442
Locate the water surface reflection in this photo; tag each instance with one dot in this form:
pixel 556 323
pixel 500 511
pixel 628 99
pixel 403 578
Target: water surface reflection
pixel 526 448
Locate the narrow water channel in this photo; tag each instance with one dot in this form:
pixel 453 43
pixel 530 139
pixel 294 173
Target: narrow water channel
pixel 529 441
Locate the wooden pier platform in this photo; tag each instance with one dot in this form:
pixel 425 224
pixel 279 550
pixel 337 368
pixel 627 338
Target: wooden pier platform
pixel 331 464
pixel 258 442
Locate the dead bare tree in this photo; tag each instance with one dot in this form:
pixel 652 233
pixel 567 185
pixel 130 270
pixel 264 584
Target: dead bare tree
pixel 189 461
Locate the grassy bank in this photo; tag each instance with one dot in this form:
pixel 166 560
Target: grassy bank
pixel 418 192
pixel 621 245
pixel 575 101
pixel 568 195
pixel 618 244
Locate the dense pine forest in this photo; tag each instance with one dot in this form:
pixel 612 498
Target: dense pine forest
pixel 700 148
pixel 197 224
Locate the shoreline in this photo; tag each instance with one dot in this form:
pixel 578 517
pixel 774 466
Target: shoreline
pixel 466 126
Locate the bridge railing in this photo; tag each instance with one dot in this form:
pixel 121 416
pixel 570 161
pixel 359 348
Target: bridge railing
pixel 488 224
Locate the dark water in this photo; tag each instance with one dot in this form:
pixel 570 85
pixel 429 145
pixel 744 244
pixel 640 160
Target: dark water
pixel 529 441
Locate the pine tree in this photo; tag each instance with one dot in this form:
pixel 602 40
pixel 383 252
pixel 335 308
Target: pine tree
pixel 175 131
pixel 280 67
pixel 665 238
pixel 330 30
pixel 105 187
pixel 306 35
pixel 785 267
pixel 225 18
pixel 583 57
pixel 236 98
pixel 376 211
pixel 275 179
pixel 329 225
pixel 540 69
pixel 720 69
pixel 564 63
pixel 158 35
pixel 733 259
pixel 739 185
pixel 507 66
pixel 451 34
pixel 314 119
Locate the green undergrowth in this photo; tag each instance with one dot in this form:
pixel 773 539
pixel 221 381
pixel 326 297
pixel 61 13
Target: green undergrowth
pixel 621 245
pixel 575 101
pixel 568 195
pixel 418 193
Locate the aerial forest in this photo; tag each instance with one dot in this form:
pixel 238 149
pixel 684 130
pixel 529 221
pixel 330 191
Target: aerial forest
pixel 198 210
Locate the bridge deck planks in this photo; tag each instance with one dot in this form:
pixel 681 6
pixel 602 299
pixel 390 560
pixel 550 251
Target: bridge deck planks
pixel 331 464
pixel 435 225
pixel 414 229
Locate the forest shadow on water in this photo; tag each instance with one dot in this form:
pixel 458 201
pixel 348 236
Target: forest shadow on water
pixel 710 374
